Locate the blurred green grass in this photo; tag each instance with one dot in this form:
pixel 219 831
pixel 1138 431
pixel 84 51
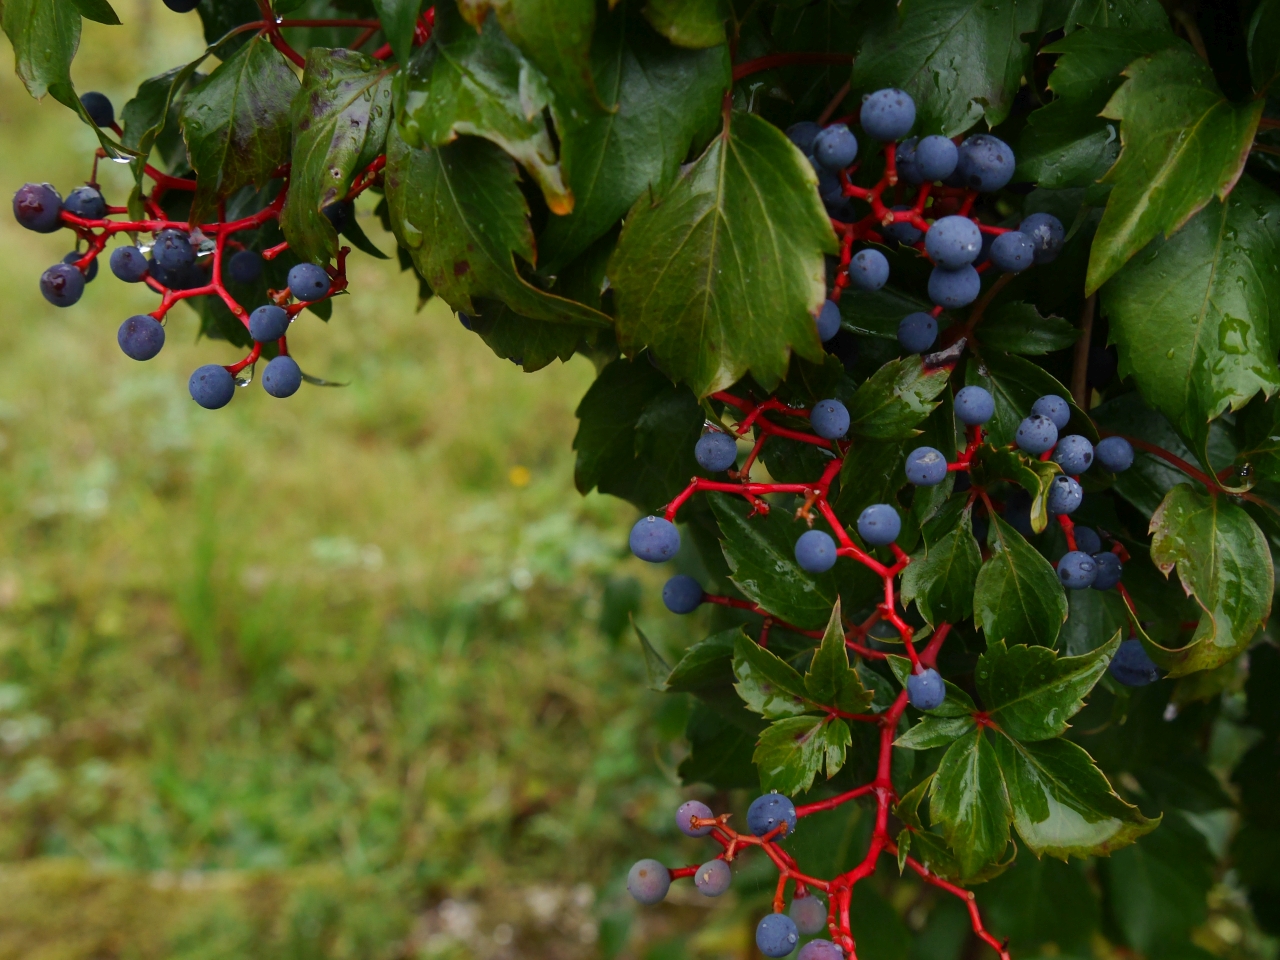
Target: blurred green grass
pixel 278 680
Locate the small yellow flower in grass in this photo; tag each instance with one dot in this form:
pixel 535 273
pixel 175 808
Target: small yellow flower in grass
pixel 519 476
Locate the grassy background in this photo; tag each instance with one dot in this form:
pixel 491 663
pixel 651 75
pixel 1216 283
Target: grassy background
pixel 337 676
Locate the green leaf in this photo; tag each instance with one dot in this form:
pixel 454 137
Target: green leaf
pixel 479 83
pixel 1264 44
pixel 44 35
pixel 967 799
pixel 962 60
pixel 636 435
pixel 459 211
pixel 1017 598
pixel 940 579
pixel 1095 616
pixel 896 399
pixel 98 11
pixel 340 120
pixel 530 343
pixel 1017 327
pixel 1223 562
pixel 724 273
pixel 767 684
pixel 236 123
pixel 1127 15
pixel 1209 297
pixel 990 464
pixel 707 663
pixel 1182 143
pixel 660 97
pixel 146 115
pixel 689 23
pixel 878 314
pixel 654 666
pixel 1031 692
pixel 1041 902
pixel 556 37
pixel 398 19
pixel 792 751
pixel 1015 384
pixel 761 555
pixel 720 748
pixel 831 682
pixel 875 475
pixel 932 732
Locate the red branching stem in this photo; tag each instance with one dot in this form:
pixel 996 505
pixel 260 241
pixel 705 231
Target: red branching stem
pixel 774 60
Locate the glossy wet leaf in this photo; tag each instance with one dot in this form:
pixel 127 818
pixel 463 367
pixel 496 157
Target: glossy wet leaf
pixel 659 96
pixel 961 60
pixel 723 273
pixel 767 684
pixel 459 211
pixel 873 475
pixel 831 682
pixel 1195 317
pixel 1183 143
pixel 1264 44
pixel 932 732
pixel 940 578
pixel 1031 692
pixel 689 23
pixel 1032 474
pixel 792 752
pixel 340 121
pixel 761 555
pixel 236 123
pixel 479 84
pixel 44 35
pixel 895 400
pixel 398 18
pixel 1018 327
pixel 1017 598
pixel 967 799
pixel 1223 561
pixel 1126 15
pixel 707 663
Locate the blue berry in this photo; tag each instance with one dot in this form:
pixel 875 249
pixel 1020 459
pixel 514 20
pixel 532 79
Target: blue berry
pixel 954 288
pixel 465 320
pixel 820 949
pixel 1047 235
pixel 715 451
pixel 1115 454
pixel 1088 541
pixel 917 331
pixel 879 525
pixel 1074 454
pixel 974 406
pixel 62 284
pixel 869 270
pixel 803 134
pixel 1110 569
pixel 829 187
pixel 339 214
pixel 1012 252
pixel 953 242
pixel 36 207
pixel 268 323
pixel 98 107
pixel 925 690
pixel 829 419
pixel 926 467
pixel 245 266
pixel 141 337
pixel 936 158
pixel 282 378
pixel 1036 434
pixel 212 386
pixel 173 250
pixel 1077 570
pixel 815 551
pixel 713 878
pixel 648 881
pixel 128 264
pixel 905 160
pixel 776 935
pixel 85 202
pixel 655 539
pixel 690 809
pixel 809 914
pixel 1055 408
pixel 986 163
pixel 1131 665
pixel 888 114
pixel 767 812
pixel 828 320
pixel 835 147
pixel 904 232
pixel 75 257
pixel 308 282
pixel 1065 495
pixel 682 594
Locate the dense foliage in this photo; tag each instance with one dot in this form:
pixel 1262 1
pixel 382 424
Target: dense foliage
pixel 935 328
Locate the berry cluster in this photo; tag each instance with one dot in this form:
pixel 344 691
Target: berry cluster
pixel 180 260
